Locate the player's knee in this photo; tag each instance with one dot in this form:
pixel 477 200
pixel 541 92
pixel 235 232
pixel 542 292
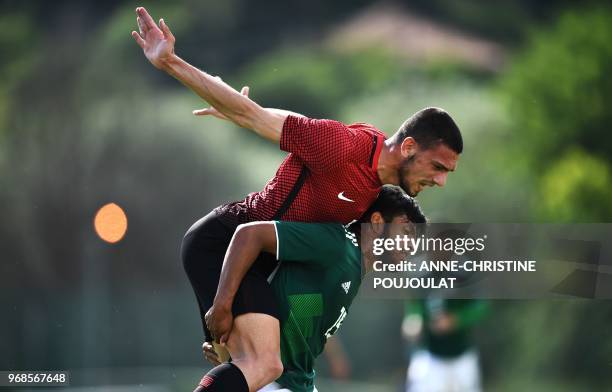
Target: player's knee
pixel 278 368
pixel 272 365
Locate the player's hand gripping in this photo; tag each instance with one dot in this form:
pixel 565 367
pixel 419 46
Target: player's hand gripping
pixel 157 42
pixel 219 320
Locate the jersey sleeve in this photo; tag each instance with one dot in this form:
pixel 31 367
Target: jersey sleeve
pixel 317 243
pixel 321 144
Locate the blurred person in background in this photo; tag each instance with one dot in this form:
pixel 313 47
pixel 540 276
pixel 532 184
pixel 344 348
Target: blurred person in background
pixel 443 356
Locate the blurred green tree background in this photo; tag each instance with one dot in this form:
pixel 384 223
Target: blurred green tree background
pixel 85 120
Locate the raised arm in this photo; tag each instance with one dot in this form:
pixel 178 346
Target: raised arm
pixel 248 242
pixel 212 111
pixel 157 42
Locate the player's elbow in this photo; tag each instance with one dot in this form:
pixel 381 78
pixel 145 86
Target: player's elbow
pixel 264 122
pixel 267 367
pixel 274 367
pixel 245 116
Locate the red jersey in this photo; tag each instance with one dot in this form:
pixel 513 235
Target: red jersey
pixel 329 175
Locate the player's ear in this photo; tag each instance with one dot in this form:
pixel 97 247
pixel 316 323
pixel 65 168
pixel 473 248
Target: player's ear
pixel 378 223
pixel 408 147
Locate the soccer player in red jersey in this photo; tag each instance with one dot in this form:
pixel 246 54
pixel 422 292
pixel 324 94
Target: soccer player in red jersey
pixel 333 173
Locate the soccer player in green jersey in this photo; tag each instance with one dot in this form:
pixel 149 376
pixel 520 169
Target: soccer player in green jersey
pixel 320 270
pixel 445 355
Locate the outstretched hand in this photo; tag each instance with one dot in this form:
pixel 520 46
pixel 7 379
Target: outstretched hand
pixel 212 111
pixel 157 42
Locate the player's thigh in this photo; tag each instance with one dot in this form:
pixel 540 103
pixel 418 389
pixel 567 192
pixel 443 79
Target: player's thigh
pixel 254 335
pixel 205 239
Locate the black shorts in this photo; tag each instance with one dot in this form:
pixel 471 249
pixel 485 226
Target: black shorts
pixel 203 250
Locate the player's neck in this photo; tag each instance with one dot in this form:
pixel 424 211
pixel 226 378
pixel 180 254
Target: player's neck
pixel 389 163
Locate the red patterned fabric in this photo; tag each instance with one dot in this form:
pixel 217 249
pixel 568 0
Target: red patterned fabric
pixel 341 163
pixel 206 381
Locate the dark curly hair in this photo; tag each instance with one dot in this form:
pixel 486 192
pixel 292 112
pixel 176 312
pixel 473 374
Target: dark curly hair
pixel 392 202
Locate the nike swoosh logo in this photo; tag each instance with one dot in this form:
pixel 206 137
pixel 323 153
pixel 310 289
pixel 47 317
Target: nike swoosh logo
pixel 342 197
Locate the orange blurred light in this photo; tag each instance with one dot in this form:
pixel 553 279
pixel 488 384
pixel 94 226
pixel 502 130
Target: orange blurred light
pixel 110 223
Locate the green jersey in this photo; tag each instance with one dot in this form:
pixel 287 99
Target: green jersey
pixel 467 313
pixel 317 279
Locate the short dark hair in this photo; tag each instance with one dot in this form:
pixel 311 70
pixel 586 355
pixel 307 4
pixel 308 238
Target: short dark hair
pixel 392 201
pixel 430 126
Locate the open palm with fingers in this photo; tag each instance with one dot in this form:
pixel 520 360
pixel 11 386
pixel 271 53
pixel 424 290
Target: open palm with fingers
pixel 157 42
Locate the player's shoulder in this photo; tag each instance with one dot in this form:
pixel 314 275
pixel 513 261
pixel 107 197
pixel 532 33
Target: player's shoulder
pixel 322 235
pixel 367 139
pixel 366 128
pixel 366 143
pixel 354 129
pixel 322 241
pixel 335 230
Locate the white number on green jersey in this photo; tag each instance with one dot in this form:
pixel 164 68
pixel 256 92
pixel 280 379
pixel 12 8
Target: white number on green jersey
pixel 332 330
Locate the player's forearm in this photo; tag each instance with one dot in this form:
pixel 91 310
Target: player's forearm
pixel 236 107
pixel 246 245
pixel 214 91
